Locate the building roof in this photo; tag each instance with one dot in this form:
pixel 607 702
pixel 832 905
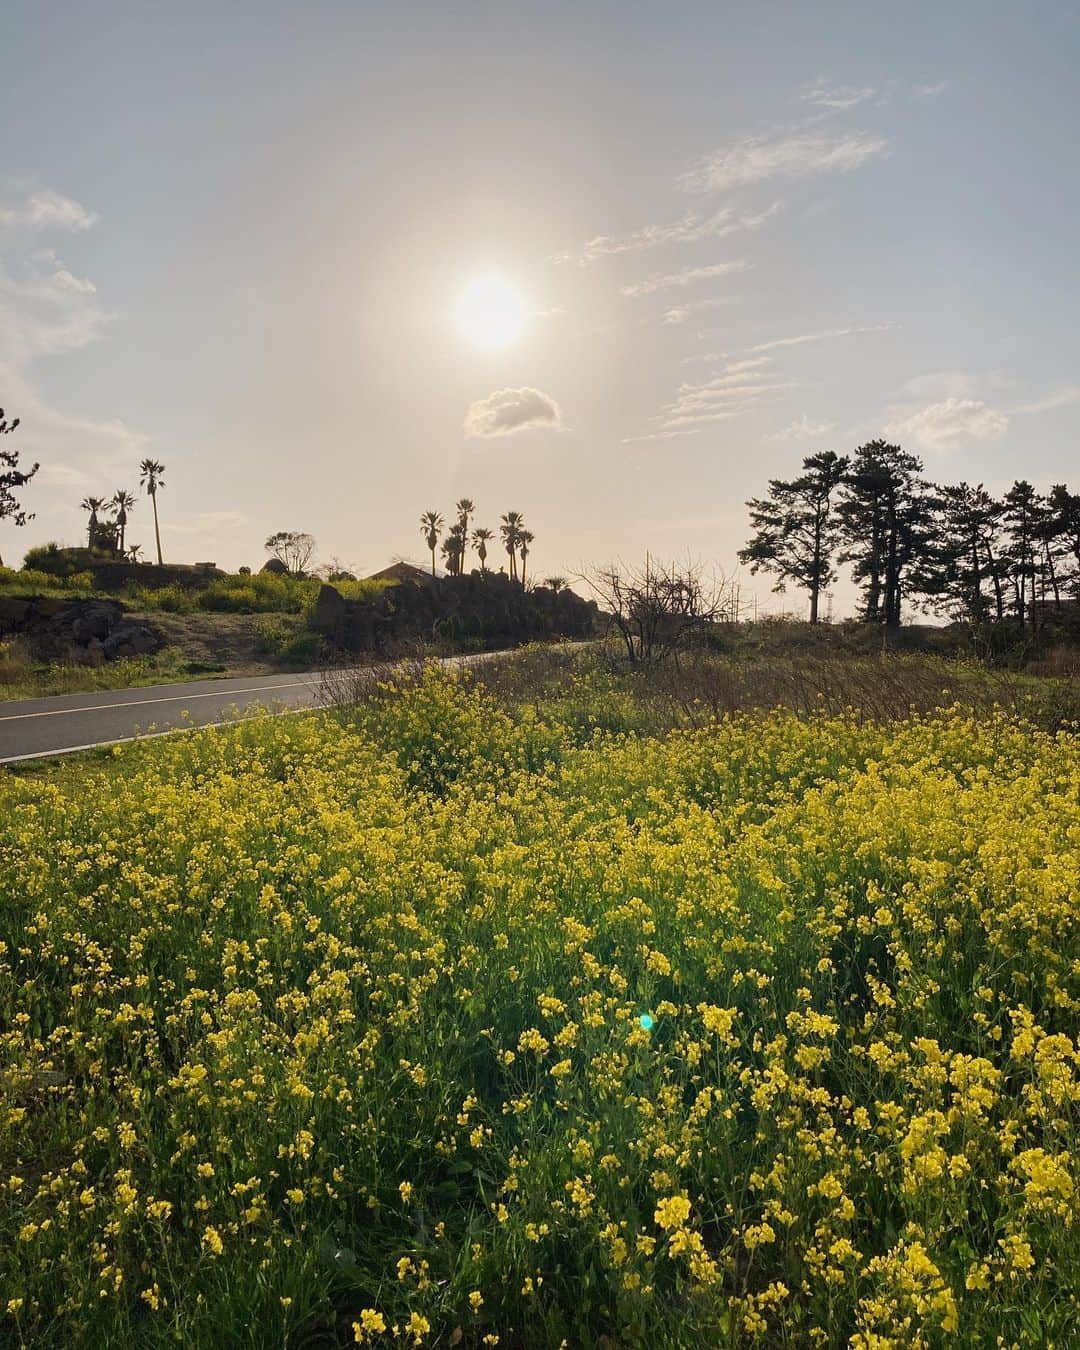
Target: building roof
pixel 402 571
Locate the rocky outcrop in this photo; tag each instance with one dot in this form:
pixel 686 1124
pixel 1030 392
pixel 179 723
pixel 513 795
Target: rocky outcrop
pixel 481 609
pixel 94 631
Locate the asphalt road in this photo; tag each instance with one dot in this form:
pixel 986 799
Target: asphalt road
pixel 56 726
pixel 39 727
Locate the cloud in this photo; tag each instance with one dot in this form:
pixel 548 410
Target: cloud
pixel 942 427
pixel 800 338
pixel 690 228
pixel 509 410
pixel 66 281
pixel 834 97
pixel 942 384
pixel 787 154
pixel 738 386
pixel 45 210
pixel 1063 397
pixel 928 91
pixel 680 313
pixel 660 281
pixel 803 428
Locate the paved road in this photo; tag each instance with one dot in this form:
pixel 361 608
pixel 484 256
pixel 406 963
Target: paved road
pixel 56 726
pixel 39 727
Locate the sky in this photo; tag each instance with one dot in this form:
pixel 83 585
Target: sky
pixel 613 265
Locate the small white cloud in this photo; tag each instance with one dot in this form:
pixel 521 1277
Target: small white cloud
pixel 786 154
pixel 67 282
pixel 509 410
pixel 835 97
pixel 802 428
pixel 928 91
pixel 660 281
pixel 48 209
pixel 942 427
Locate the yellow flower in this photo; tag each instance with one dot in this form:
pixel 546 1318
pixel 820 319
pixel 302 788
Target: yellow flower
pixel 672 1212
pixel 371 1323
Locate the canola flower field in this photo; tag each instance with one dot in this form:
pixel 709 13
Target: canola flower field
pixel 447 1023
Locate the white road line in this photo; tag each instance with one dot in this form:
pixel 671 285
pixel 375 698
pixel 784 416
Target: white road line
pixel 153 735
pixel 149 702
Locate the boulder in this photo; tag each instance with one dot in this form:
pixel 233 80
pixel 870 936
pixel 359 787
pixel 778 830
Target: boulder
pixel 329 612
pixel 13 612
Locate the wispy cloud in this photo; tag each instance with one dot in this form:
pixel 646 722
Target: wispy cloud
pixel 509 410
pixel 822 93
pixel 943 427
pixel 737 387
pixel 680 313
pixel 784 154
pixel 1061 399
pixel 928 91
pixel 662 281
pixel 821 336
pixel 688 229
pixel 802 429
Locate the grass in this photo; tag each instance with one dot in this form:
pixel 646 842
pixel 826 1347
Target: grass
pixel 232 593
pixel 546 1005
pixel 23 678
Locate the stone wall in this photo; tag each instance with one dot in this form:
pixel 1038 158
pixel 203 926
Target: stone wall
pixel 91 631
pixel 479 610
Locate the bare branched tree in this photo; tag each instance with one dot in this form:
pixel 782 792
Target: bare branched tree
pixel 292 548
pixel 660 611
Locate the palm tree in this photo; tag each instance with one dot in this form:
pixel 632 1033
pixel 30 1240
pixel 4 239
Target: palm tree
pixel 555 583
pixel 510 529
pixel 122 502
pixel 93 505
pixel 465 508
pixel 134 551
pixel 454 548
pixel 525 538
pixel 480 540
pixel 151 471
pixel 431 524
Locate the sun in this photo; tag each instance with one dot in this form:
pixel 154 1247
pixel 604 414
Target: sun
pixel 491 312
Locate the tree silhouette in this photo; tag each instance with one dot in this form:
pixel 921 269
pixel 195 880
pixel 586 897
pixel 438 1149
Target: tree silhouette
pixel 291 548
pixel 1065 517
pixel 481 537
pixel 93 528
pixel 12 477
pixel 1021 516
pixel 454 548
pixel 512 524
pixel 796 529
pixel 465 508
pixel 525 538
pixel 966 554
pixel 431 523
pixel 122 502
pixel 887 515
pixel 151 476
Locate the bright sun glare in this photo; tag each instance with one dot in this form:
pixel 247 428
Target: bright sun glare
pixel 491 312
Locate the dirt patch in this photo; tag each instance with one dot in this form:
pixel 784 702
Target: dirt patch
pixel 236 641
